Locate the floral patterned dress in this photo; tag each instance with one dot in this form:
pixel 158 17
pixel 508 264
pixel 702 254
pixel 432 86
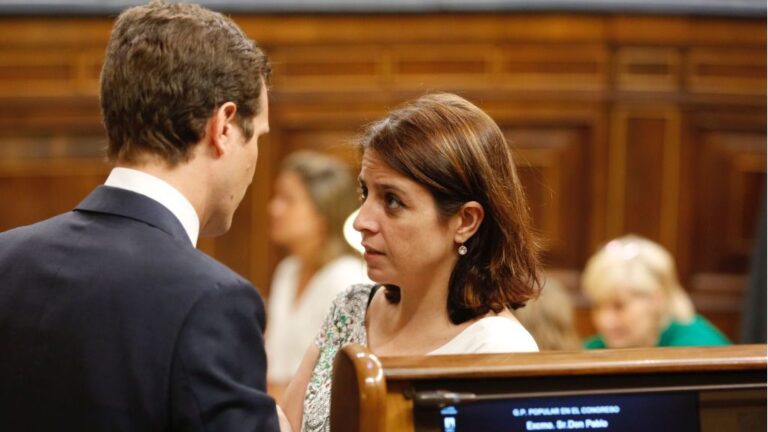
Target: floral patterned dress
pixel 345 323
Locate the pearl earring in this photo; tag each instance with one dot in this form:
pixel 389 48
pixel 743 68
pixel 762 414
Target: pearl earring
pixel 462 250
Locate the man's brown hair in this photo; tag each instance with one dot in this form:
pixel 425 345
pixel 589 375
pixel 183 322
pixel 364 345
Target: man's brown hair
pixel 168 67
pixel 458 153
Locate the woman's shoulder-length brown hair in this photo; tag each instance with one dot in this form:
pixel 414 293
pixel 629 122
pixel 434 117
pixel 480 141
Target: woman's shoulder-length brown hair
pixel 459 154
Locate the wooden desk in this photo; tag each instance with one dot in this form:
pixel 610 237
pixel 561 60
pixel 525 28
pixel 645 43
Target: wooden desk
pixel 375 395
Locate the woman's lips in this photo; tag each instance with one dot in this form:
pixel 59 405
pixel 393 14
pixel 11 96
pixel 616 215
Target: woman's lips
pixel 371 252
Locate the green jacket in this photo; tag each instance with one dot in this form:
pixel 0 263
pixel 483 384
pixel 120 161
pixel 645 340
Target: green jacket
pixel 698 332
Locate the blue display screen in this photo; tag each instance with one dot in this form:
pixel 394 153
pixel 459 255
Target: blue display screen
pixel 674 411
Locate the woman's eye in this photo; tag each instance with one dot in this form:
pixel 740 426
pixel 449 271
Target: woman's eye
pixel 392 201
pixel 363 193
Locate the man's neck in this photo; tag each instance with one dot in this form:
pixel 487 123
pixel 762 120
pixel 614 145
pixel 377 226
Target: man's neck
pixel 187 180
pixel 179 177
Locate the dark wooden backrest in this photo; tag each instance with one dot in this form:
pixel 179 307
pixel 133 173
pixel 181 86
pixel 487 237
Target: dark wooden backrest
pixel 376 395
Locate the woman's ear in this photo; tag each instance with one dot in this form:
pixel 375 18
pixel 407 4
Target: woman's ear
pixel 469 218
pixel 220 127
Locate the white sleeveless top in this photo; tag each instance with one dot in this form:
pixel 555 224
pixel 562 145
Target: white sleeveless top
pixel 494 334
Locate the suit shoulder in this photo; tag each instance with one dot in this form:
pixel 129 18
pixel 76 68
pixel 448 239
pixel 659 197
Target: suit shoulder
pixel 214 268
pixel 34 228
pixel 202 272
pixel 30 235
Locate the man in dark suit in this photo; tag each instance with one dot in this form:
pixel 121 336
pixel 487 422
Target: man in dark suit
pixel 110 318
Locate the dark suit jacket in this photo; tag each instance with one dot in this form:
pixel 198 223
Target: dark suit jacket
pixel 110 320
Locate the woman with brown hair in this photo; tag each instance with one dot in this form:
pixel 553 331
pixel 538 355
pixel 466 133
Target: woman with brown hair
pixel 447 239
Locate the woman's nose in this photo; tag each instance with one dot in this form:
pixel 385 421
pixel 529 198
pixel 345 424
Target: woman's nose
pixel 364 220
pixel 606 319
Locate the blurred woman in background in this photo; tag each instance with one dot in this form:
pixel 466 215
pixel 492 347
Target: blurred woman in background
pixel 549 318
pixel 637 300
pixel 314 194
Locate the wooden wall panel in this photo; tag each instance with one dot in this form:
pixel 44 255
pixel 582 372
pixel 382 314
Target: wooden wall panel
pixel 739 70
pixel 647 68
pixel 36 190
pixel 340 143
pixel 441 66
pixel 551 163
pixel 644 173
pixel 419 67
pixel 50 72
pixel 721 297
pixel 731 183
pixel 724 181
pixel 298 69
pixel 582 67
pixel 646 124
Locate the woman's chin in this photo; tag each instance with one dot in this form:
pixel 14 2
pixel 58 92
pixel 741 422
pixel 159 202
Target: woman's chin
pixel 378 278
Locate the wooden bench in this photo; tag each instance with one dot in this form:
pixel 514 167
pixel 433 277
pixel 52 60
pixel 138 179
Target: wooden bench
pixel 728 384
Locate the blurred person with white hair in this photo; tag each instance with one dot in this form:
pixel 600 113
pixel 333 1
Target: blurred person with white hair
pixel 637 300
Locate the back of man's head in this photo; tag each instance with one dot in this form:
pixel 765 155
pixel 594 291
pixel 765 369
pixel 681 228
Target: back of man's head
pixel 168 67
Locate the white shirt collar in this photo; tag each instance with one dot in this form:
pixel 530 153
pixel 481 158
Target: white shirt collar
pixel 160 191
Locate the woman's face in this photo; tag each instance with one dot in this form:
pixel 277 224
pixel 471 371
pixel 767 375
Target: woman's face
pixel 405 242
pixel 294 219
pixel 627 319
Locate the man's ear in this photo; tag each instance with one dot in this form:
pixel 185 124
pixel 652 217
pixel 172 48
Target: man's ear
pixel 220 128
pixel 469 218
